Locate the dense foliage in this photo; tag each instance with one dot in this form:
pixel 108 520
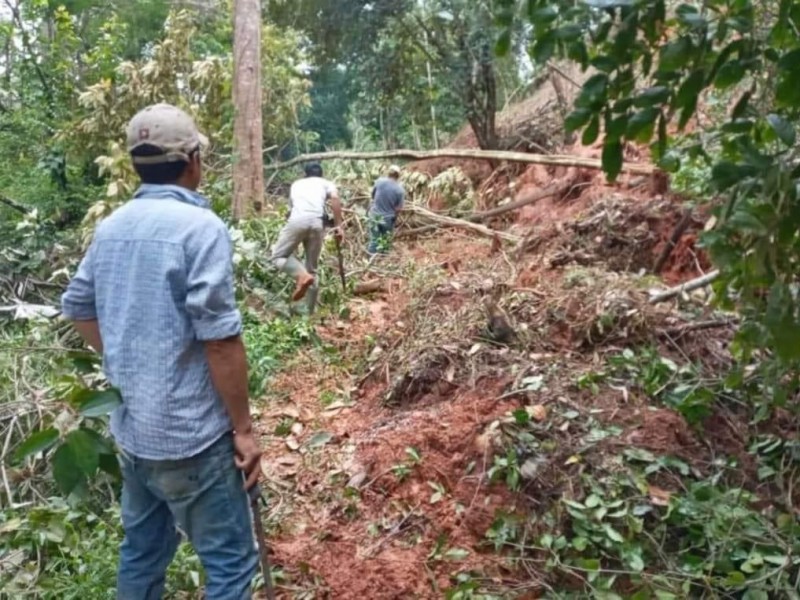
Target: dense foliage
pixel 657 66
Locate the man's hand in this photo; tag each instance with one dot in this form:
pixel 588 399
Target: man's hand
pixel 248 455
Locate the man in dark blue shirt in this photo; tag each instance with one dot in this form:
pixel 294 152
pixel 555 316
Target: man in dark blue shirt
pixel 388 197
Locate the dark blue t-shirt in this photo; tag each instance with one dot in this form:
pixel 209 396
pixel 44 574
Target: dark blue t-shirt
pixel 387 197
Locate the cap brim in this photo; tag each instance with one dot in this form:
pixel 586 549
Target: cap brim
pixel 203 140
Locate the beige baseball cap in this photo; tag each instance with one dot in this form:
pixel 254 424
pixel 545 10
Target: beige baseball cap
pixel 394 170
pixel 167 128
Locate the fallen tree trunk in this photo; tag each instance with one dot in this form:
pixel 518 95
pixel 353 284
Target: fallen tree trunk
pixel 684 287
pixel 462 224
pixel 561 160
pixel 680 228
pixel 494 212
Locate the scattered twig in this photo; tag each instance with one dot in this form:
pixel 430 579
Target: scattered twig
pixel 698 326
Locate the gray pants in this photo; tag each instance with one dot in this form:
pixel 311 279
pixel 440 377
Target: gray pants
pixel 309 233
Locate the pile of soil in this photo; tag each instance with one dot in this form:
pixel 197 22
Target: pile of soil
pixel 380 467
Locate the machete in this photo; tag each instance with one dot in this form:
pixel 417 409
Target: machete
pixel 340 258
pixel 255 496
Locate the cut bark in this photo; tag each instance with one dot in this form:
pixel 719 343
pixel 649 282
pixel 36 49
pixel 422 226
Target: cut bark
pixel 490 155
pixel 248 172
pixel 684 287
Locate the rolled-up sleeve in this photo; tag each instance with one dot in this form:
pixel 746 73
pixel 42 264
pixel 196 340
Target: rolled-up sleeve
pixel 78 300
pixel 210 299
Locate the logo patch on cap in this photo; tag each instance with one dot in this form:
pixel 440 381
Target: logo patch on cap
pixel 144 133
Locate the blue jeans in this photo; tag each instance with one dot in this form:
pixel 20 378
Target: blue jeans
pixel 202 495
pixel 380 233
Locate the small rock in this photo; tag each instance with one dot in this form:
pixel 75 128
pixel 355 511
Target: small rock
pixel 357 480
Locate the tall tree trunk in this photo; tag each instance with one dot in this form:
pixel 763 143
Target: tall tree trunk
pixel 248 165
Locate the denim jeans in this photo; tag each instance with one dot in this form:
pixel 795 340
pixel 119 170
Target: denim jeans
pixel 380 233
pixel 202 495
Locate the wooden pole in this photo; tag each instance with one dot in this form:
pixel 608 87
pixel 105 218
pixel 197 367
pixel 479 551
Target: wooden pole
pixel 248 171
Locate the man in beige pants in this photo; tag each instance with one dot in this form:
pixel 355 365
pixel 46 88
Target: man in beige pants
pixel 307 199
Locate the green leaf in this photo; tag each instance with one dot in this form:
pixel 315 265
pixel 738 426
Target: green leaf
pixel 503 43
pixel 580 543
pixel 544 48
pixel 37 442
pixel 613 534
pixel 577 119
pixel 84 451
pixel 783 128
pixel 591 132
pixel 110 464
pixel 604 63
pixel 521 416
pixel 590 564
pixel 319 439
pixel 542 16
pixel 691 17
pixel 726 174
pixel 642 124
pixel 66 472
pixel 676 54
pixel 612 159
pixel 592 501
pixel 741 106
pixel 568 33
pixel 729 74
pixel 593 93
pixel 690 90
pixel 615 127
pixel 736 578
pixel 652 96
pixel 100 404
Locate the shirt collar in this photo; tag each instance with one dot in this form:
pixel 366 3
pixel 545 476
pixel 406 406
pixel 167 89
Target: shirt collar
pixel 169 191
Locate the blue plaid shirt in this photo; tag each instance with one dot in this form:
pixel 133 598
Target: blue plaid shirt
pixel 158 277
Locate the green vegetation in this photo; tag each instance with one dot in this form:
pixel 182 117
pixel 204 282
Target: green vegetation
pixel 710 87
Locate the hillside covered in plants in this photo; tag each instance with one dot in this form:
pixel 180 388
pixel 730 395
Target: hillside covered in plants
pixel 573 375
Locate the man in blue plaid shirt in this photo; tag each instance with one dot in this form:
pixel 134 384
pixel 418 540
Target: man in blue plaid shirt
pixel 154 294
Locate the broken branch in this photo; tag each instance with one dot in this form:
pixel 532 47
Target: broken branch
pixel 14 204
pixel 684 287
pixel 550 191
pixel 699 326
pixel 462 224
